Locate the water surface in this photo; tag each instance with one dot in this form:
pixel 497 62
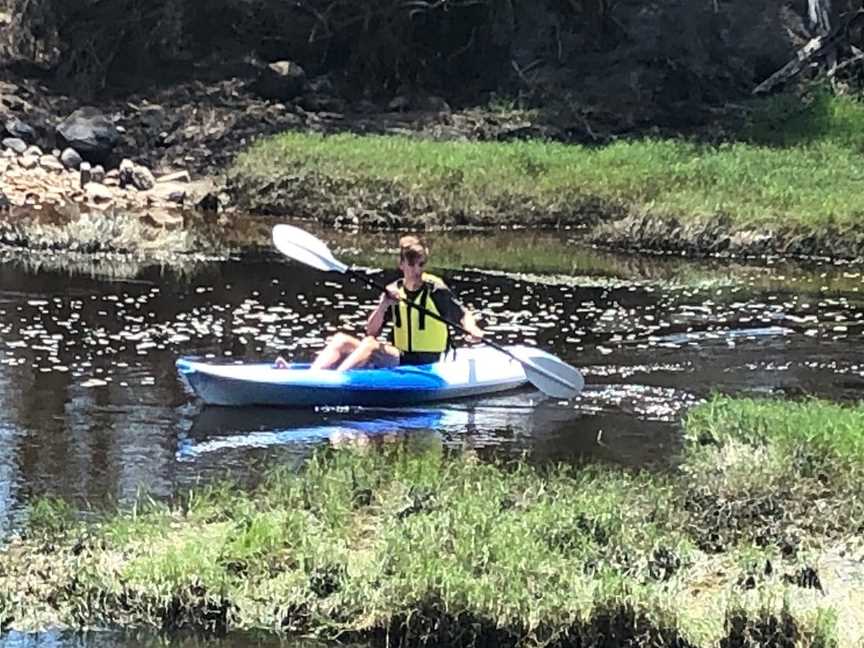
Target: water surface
pixel 91 407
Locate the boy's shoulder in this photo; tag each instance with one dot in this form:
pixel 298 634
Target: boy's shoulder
pixel 436 281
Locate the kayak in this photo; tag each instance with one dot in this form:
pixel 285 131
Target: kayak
pixel 472 371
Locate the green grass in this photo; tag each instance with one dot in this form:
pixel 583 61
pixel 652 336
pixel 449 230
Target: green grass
pixel 795 165
pixel 807 439
pixel 411 545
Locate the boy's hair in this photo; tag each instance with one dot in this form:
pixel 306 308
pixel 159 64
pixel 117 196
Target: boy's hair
pixel 411 249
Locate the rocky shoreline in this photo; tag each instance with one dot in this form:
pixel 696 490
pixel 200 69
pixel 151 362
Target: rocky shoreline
pixel 170 151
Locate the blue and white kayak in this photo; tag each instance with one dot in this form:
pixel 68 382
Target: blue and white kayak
pixel 473 371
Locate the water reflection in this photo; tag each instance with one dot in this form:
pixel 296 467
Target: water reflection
pixel 140 639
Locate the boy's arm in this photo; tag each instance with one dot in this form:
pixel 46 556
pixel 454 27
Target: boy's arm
pixel 378 317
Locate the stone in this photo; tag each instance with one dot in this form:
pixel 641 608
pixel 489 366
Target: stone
pixel 33 150
pixel 164 218
pixel 98 192
pixel 28 161
pixel 317 102
pixel 89 132
pixel 98 173
pixel 142 178
pixel 51 163
pixel 18 129
pixel 280 81
pixel 174 192
pixel 86 174
pixel 178 176
pixel 71 159
pixel 208 203
pixel 5 203
pixel 152 117
pixel 124 172
pixel 399 103
pixel 15 144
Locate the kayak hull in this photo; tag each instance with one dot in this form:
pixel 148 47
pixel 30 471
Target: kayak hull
pixel 470 372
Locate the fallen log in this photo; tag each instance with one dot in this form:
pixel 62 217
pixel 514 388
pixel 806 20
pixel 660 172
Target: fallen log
pixel 820 47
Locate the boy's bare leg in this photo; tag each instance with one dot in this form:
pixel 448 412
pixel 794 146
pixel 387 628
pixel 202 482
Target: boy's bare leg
pixel 371 351
pixel 339 347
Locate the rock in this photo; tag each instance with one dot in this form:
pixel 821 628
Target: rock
pixel 280 81
pixel 366 107
pixel 17 128
pixel 8 154
pixel 142 178
pixel 51 163
pixel 98 173
pixel 33 150
pixel 431 103
pixel 170 191
pixel 152 117
pixel 165 218
pixel 5 203
pixel 124 172
pixel 28 161
pixel 89 132
pixel 316 102
pixel 400 103
pixel 86 174
pixel 208 203
pixel 15 144
pixel 71 158
pixel 98 192
pixel 178 176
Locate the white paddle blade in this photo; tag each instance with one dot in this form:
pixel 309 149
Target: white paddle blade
pixel 552 376
pixel 305 248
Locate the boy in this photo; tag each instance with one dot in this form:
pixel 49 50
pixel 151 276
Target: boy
pixel 417 338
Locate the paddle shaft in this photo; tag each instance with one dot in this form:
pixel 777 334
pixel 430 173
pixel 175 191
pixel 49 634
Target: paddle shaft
pixel 371 282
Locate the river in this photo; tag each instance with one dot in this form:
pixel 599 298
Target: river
pixel 92 408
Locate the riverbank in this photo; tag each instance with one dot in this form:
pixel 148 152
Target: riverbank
pixel 786 182
pixel 777 176
pixel 753 538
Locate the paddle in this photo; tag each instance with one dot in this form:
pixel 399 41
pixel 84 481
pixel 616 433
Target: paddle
pixel 549 374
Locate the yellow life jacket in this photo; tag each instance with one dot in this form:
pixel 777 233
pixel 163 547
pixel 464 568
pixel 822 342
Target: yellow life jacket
pixel 415 331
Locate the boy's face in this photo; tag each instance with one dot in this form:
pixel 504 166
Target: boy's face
pixel 412 268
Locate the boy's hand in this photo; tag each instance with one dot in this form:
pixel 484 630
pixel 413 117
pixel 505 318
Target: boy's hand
pixel 475 335
pixel 390 296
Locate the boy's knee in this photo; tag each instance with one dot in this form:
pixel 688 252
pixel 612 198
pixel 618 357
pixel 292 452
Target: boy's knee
pixel 370 343
pixel 340 339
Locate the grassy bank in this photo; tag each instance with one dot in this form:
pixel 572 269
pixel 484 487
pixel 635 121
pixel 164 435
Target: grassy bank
pixel 795 168
pixel 752 540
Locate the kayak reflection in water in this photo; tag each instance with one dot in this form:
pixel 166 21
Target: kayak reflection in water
pixel 416 337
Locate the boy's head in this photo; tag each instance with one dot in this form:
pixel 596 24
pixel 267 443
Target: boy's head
pixel 412 250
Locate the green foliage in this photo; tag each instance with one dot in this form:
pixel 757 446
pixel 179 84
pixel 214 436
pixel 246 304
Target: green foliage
pixel 830 435
pixel 52 516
